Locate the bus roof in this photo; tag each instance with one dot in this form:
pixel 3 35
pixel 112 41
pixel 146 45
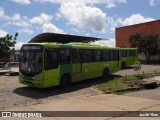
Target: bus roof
pixel 78 45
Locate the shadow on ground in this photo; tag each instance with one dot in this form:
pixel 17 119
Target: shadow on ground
pixel 129 67
pixel 37 93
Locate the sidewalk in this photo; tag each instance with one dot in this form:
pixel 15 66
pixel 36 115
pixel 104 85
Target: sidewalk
pixel 12 69
pixel 153 79
pixel 102 102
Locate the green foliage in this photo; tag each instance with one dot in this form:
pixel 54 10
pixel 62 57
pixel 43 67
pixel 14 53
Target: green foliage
pixel 124 46
pixel 121 82
pixel 137 66
pixel 5 44
pixel 149 44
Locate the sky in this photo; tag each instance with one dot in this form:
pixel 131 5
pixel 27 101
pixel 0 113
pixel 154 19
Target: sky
pixel 95 18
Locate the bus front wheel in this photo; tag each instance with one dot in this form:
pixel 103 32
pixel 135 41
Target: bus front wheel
pixel 105 73
pixel 65 81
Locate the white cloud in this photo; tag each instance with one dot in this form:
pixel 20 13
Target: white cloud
pixel 111 24
pixel 3 33
pixel 22 2
pixel 16 17
pixel 25 30
pixel 1 12
pixel 84 17
pixel 43 18
pixel 109 3
pixel 122 1
pixel 134 19
pixel 109 43
pixel 18 45
pixel 49 27
pixel 21 23
pixel 154 2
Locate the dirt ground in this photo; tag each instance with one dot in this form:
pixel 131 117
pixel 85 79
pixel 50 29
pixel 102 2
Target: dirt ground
pixel 13 94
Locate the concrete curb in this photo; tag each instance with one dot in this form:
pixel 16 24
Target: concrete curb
pixel 13 73
pixel 127 89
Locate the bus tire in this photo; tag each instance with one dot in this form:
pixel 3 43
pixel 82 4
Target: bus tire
pixel 105 73
pixel 65 80
pixel 123 65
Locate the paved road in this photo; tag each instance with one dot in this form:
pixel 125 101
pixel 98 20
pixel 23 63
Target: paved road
pixel 120 108
pixel 153 94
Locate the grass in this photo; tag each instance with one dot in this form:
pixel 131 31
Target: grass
pixel 124 82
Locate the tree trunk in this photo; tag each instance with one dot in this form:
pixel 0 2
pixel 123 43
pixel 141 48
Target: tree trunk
pixel 147 57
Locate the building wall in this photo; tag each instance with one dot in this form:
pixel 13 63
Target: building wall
pixel 4 59
pixel 123 33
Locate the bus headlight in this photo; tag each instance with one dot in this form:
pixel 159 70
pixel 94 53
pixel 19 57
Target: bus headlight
pixel 39 77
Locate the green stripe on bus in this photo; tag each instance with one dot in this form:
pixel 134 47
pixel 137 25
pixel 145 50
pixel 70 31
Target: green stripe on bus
pixel 66 68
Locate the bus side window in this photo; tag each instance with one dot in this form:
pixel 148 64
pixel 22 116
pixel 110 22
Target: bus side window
pixel 114 55
pixel 136 52
pixel 117 55
pixel 120 54
pixel 111 55
pixel 133 53
pixel 97 55
pixel 106 56
pixel 74 56
pixel 86 55
pixel 124 53
pixel 128 53
pixel 65 56
pixel 51 60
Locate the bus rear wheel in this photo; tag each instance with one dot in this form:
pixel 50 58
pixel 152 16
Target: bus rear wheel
pixel 105 73
pixel 65 81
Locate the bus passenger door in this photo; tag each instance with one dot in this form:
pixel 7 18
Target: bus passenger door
pixel 52 71
pixel 76 65
pixel 79 63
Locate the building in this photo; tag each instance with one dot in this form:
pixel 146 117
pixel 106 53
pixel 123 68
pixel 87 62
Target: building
pixel 15 57
pixel 123 33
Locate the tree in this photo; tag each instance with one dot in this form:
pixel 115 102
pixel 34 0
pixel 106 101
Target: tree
pixel 6 43
pixel 148 44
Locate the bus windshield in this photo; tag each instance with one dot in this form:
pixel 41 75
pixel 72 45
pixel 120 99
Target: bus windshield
pixel 31 60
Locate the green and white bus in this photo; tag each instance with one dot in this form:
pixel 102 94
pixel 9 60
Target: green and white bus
pixel 50 64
